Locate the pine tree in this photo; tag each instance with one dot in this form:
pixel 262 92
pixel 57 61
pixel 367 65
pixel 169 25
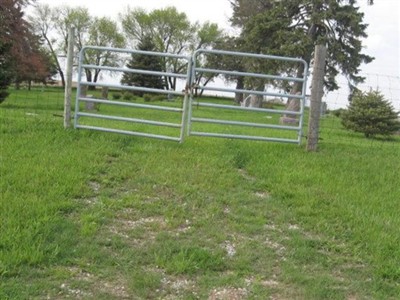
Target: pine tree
pixel 370 114
pixel 144 62
pixel 293 28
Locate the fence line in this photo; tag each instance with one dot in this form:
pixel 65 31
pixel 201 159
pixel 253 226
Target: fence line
pixel 48 101
pixel 388 85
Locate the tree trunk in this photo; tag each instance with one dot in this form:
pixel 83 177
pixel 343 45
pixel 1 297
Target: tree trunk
pixel 54 55
pixel 239 86
pixel 89 78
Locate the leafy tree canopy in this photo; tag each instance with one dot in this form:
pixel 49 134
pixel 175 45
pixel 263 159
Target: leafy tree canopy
pixel 171 31
pixel 21 55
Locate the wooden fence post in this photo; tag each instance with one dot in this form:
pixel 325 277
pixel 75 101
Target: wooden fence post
pixel 68 82
pixel 317 90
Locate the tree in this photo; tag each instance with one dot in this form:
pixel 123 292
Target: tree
pixel 6 73
pixel 11 25
pixel 53 25
pixel 144 62
pixel 103 32
pixel 43 22
pixel 293 28
pixel 169 30
pixel 228 62
pixel 32 61
pixel 370 114
pixel 21 57
pixel 207 36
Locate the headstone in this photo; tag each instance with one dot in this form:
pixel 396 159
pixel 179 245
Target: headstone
pixel 255 101
pixel 252 101
pixel 293 104
pixel 104 92
pixel 245 102
pixel 90 105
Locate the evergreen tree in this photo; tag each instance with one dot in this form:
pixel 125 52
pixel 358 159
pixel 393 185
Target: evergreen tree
pixel 371 114
pixel 293 28
pixel 144 62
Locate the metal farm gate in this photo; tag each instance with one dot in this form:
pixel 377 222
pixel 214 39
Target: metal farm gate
pixel 195 115
pixel 138 114
pixel 270 117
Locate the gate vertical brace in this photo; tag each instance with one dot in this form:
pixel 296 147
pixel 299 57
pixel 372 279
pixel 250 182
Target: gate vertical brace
pixel 68 83
pixel 317 90
pixel 186 98
pixel 191 79
pixel 79 88
pixel 303 103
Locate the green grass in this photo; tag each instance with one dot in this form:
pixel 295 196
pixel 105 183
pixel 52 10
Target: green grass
pixel 94 215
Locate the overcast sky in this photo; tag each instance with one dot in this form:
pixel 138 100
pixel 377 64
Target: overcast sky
pixel 383 40
pixel 383 17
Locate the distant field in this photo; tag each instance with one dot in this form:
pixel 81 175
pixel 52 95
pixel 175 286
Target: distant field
pixel 94 215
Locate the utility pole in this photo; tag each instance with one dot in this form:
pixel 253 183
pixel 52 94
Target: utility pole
pixel 317 90
pixel 68 83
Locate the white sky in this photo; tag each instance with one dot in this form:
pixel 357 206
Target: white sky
pixel 383 40
pixel 383 17
pixel 217 11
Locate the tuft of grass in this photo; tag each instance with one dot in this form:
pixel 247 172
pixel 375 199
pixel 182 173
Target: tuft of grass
pixel 178 259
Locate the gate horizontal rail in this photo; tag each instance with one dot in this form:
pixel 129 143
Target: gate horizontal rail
pixel 216 121
pixel 132 120
pixel 133 133
pixel 156 107
pixel 243 137
pixel 133 88
pixel 258 75
pixel 274 111
pixel 136 71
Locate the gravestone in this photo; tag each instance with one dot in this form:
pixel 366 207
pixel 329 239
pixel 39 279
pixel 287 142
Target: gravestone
pixel 252 101
pixel 104 93
pixel 88 104
pixel 293 104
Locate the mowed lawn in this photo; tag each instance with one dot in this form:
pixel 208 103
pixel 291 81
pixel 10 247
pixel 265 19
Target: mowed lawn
pixel 93 215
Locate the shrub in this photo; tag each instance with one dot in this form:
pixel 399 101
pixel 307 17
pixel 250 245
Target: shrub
pixel 116 96
pixel 370 114
pixel 159 97
pixel 147 97
pixel 337 112
pixel 128 96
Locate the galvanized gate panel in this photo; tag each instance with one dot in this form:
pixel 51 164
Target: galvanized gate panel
pixel 188 110
pixel 269 135
pixel 132 107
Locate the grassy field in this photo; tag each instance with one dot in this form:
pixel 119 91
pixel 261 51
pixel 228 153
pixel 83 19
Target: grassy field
pixel 92 215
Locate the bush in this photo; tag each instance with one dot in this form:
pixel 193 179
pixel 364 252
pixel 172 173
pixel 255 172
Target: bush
pixel 116 96
pixel 370 114
pixel 159 97
pixel 128 96
pixel 337 112
pixel 147 97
